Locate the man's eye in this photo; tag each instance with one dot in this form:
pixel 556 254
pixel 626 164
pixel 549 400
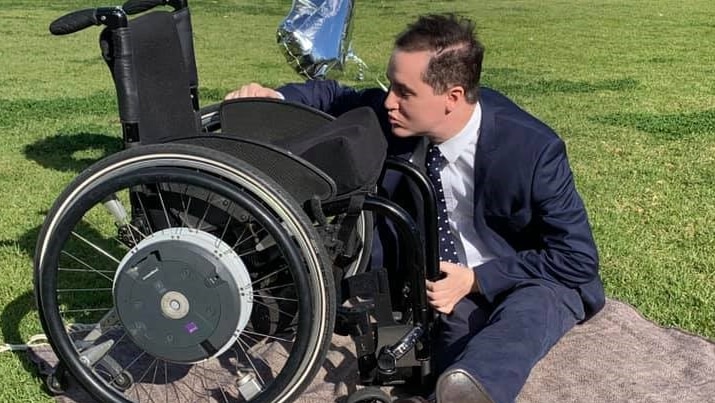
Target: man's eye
pixel 399 91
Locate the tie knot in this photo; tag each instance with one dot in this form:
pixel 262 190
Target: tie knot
pixel 434 158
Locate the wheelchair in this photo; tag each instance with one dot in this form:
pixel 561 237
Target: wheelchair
pixel 214 257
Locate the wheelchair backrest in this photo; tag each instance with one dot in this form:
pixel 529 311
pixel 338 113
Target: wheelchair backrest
pixel 154 72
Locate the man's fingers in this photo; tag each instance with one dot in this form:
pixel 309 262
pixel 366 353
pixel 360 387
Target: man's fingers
pixel 245 91
pixel 252 90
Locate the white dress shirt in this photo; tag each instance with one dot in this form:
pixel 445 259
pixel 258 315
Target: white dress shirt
pixel 458 184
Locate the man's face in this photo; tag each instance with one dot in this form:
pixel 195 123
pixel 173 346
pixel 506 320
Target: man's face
pixel 413 107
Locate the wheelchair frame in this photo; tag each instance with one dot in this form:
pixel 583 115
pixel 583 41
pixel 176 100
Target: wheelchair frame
pixel 391 349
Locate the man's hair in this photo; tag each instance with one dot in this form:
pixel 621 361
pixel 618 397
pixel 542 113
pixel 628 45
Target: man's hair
pixel 457 56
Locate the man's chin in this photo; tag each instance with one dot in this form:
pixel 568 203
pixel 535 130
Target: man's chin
pixel 399 131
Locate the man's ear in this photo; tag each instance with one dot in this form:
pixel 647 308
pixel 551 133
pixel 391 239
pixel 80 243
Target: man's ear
pixel 455 96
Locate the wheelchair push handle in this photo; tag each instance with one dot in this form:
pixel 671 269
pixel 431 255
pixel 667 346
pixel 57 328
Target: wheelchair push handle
pixel 139 6
pixel 75 21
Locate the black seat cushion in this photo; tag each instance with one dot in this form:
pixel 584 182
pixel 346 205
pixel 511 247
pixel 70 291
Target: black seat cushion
pixel 351 149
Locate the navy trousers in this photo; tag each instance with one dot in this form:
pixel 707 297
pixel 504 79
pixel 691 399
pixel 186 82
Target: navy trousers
pixel 500 343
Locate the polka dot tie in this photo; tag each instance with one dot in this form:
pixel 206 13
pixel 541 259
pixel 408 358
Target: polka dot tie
pixel 433 163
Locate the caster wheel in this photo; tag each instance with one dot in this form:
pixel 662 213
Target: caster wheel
pixel 369 394
pixel 56 382
pixel 124 381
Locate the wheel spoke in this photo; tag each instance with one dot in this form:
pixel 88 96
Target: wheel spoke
pixel 253 236
pixel 86 271
pixel 80 261
pixel 95 247
pixel 83 289
pixel 143 209
pixel 186 206
pixel 268 336
pixel 250 361
pixel 163 206
pixel 263 296
pixel 155 364
pixel 274 309
pixel 206 212
pixel 226 226
pixel 275 287
pixel 115 207
pixel 257 341
pixel 269 275
pixel 129 366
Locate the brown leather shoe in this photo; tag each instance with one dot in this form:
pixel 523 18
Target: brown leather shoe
pixel 458 386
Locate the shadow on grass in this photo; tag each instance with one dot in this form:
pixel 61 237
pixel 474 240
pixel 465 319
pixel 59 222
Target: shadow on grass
pixel 516 82
pixel 666 127
pixel 26 242
pixel 72 152
pixel 10 320
pixel 18 308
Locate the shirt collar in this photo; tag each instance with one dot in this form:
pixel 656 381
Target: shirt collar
pixel 466 138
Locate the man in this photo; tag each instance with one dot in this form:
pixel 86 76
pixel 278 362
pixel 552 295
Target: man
pixel 519 261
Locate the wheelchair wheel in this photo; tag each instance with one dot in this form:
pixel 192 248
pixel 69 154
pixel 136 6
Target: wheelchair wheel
pixel 178 273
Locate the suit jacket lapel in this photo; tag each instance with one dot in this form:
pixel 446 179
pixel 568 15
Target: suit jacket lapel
pixel 486 144
pixel 484 156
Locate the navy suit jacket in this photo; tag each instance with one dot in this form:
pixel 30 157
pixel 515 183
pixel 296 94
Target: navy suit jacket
pixel 526 207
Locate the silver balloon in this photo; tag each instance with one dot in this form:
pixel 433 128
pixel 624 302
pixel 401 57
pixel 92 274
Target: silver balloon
pixel 315 36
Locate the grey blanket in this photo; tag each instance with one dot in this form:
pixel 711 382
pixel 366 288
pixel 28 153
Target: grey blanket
pixel 617 356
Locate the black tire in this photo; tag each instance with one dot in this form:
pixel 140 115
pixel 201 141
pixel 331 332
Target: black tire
pixel 78 256
pixel 57 383
pixel 369 394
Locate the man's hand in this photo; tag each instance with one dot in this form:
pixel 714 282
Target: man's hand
pixel 459 281
pixel 253 90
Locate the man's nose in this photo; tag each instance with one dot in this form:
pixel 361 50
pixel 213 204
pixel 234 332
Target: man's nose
pixel 390 101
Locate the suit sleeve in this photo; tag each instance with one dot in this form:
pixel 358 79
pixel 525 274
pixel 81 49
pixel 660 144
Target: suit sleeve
pixel 568 255
pixel 331 97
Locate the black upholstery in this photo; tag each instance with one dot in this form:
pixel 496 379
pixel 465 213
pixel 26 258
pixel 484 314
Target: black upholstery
pixel 269 120
pixel 298 177
pixel 350 149
pixel 152 79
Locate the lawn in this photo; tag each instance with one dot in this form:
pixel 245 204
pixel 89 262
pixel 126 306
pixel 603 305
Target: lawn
pixel 627 84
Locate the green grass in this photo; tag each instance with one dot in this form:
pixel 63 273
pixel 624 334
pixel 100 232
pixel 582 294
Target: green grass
pixel 628 85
